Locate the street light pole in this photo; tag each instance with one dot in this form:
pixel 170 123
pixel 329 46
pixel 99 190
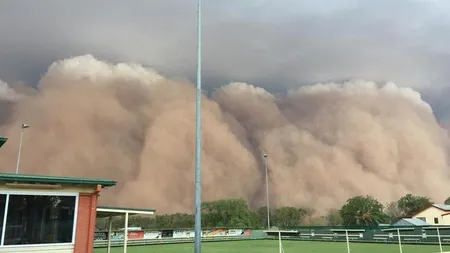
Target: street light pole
pixel 198 135
pixel 23 127
pixel 267 190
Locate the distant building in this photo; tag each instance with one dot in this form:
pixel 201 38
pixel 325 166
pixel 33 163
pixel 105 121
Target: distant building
pixel 48 214
pixel 413 222
pixel 435 214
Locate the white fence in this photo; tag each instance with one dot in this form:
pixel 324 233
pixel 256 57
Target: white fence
pixel 136 242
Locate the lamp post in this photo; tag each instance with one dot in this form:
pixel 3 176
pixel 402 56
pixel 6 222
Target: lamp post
pixel 22 128
pixel 267 190
pixel 198 135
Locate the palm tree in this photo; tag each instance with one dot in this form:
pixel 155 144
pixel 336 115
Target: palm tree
pixel 362 211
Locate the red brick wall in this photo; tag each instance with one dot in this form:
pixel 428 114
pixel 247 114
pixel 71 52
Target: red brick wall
pixel 87 211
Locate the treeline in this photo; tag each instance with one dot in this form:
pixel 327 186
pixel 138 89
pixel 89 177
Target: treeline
pixel 235 213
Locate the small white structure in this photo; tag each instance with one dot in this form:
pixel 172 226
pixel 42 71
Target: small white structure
pixel 115 211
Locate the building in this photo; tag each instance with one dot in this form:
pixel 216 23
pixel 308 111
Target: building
pixel 410 222
pixel 435 214
pixel 54 214
pixel 43 214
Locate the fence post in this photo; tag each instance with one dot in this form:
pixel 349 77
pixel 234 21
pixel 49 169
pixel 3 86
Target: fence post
pixel 399 240
pixel 439 239
pixel 346 238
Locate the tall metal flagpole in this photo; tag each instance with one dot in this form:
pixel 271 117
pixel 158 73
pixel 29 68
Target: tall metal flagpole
pixel 22 129
pixel 198 135
pixel 267 190
pixel 20 151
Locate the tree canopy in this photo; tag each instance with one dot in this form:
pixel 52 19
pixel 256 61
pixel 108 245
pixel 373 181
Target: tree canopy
pixel 333 218
pixel 288 216
pixel 235 213
pixel 228 213
pixel 392 211
pixel 447 201
pixel 362 211
pixel 410 204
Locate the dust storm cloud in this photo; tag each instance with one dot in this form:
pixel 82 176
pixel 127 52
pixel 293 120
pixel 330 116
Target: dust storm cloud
pixel 326 142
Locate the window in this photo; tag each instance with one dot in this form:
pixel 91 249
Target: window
pixel 2 210
pixel 39 219
pixel 436 221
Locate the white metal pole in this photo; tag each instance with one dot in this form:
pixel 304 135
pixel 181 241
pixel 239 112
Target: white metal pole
pixel 20 150
pixel 348 243
pixel 267 191
pixel 125 234
pixel 279 242
pixel 439 238
pixel 108 250
pixel 198 136
pixel 399 241
pixel 5 215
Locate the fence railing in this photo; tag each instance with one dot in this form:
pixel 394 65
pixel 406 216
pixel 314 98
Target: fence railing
pixel 149 237
pixel 142 242
pixel 408 235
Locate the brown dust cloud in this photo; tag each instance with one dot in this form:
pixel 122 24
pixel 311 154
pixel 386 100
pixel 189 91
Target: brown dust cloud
pixel 325 142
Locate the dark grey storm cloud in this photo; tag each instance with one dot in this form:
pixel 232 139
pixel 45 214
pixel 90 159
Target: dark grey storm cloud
pixel 274 44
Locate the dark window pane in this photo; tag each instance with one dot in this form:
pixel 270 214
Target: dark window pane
pixel 2 210
pixel 39 219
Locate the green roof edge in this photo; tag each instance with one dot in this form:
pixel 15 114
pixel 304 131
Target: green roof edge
pixel 54 179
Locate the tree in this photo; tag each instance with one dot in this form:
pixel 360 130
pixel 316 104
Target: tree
pixel 177 220
pixel 393 211
pixel 227 213
pixel 262 215
pixel 333 218
pixel 219 214
pixel 288 216
pixel 447 201
pixel 362 211
pixel 313 218
pixel 255 221
pixel 409 204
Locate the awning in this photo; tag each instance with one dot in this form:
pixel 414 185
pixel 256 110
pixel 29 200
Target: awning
pixel 103 212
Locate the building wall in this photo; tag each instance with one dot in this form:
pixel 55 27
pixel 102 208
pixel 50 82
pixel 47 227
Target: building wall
pixel 431 213
pixel 39 249
pixel 87 212
pixel 86 217
pixel 446 219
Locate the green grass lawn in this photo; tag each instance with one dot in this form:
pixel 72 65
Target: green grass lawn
pixel 271 246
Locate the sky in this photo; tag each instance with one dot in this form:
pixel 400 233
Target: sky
pixel 276 44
